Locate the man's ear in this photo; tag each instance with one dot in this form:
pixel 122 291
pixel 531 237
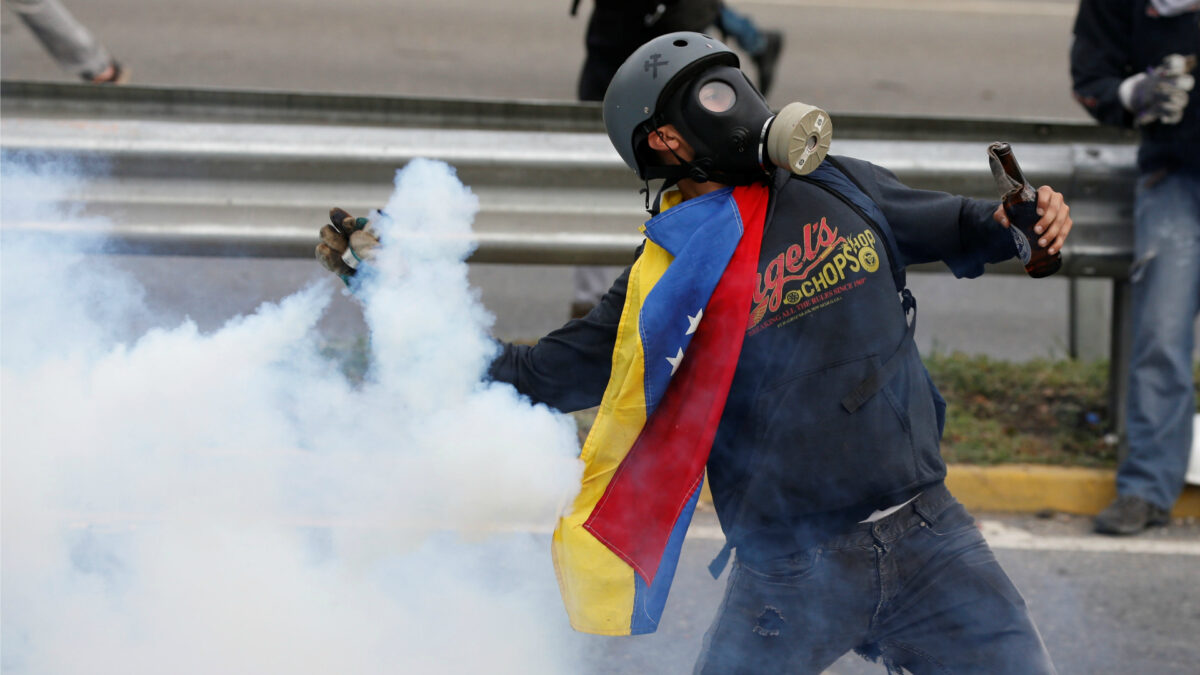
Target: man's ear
pixel 664 138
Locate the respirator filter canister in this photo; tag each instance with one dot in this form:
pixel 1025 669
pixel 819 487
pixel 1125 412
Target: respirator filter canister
pixel 798 138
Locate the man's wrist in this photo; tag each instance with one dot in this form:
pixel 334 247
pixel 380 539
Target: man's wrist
pixel 1126 91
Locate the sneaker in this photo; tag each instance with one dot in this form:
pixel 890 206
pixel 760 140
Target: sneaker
pixel 766 60
pixel 114 74
pixel 1130 515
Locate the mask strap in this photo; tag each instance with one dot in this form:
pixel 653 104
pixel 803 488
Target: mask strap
pixel 670 173
pixel 668 183
pixel 696 170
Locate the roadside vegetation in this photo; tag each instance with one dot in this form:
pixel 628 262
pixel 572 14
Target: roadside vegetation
pixel 1042 412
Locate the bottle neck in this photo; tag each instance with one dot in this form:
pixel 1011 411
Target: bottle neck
pixel 1006 170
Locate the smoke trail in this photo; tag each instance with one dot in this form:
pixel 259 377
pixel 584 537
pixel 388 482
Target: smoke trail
pixel 231 502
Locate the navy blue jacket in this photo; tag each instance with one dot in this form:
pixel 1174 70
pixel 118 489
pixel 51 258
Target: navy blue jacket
pixel 790 464
pixel 1117 38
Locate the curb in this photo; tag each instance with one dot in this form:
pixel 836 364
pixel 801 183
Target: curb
pixel 1033 488
pixel 1030 488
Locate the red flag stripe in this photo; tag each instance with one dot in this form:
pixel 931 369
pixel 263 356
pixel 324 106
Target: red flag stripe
pixel 654 482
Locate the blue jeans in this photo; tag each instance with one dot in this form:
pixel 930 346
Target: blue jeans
pixel 742 29
pixel 1166 300
pixel 67 40
pixel 919 589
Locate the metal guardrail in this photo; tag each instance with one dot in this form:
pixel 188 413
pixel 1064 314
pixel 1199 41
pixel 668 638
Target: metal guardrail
pixel 242 173
pixel 187 171
pixel 233 105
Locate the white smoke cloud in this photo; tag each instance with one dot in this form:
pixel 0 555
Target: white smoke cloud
pixel 231 502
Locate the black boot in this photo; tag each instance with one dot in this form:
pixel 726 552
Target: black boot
pixel 767 58
pixel 1130 515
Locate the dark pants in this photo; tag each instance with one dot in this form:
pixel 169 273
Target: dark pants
pixel 919 589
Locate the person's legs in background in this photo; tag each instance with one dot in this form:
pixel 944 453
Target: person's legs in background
pixel 591 283
pixel 763 46
pixel 1166 301
pixel 68 41
pixel 612 35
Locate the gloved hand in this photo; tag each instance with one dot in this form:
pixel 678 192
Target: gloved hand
pixel 1161 93
pixel 346 242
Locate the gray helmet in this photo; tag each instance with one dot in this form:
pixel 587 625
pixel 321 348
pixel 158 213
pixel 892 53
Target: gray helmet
pixel 647 79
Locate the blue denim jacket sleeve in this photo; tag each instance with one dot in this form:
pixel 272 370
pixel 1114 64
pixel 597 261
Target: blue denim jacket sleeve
pixel 930 226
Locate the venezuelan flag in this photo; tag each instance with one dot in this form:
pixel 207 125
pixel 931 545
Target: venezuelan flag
pixel 687 306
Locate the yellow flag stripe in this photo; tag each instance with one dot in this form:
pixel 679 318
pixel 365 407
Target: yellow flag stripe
pixel 597 586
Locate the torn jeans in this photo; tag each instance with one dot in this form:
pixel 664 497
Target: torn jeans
pixel 919 590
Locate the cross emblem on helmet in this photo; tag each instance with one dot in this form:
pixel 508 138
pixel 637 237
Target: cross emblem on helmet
pixel 653 63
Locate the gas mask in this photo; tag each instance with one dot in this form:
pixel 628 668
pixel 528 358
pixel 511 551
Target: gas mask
pixel 736 137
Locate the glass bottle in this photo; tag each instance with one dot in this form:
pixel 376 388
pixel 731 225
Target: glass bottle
pixel 1020 205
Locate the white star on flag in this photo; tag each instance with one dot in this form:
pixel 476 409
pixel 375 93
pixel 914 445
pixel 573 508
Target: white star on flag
pixel 694 321
pixel 674 361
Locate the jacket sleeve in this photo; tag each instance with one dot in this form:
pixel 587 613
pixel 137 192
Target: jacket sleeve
pixel 932 226
pixel 1101 58
pixel 569 368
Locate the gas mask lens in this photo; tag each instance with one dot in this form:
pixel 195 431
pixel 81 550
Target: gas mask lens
pixel 735 134
pixel 716 96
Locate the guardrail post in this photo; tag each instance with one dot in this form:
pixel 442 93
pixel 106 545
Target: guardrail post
pixel 1118 365
pixel 1089 320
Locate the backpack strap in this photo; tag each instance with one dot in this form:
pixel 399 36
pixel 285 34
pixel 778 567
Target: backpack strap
pixel 839 182
pixel 847 188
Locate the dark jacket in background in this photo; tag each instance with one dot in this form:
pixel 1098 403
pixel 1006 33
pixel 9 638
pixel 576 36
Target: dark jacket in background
pixel 1117 38
pixel 617 28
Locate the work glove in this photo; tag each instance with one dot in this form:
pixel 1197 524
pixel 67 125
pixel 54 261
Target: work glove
pixel 346 243
pixel 1161 93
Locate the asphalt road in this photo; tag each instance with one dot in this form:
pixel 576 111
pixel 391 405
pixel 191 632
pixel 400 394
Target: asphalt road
pixel 960 57
pixel 1101 611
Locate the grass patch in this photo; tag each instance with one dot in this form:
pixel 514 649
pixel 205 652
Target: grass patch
pixel 1041 412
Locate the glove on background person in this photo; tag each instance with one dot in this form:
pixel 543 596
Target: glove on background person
pixel 1161 93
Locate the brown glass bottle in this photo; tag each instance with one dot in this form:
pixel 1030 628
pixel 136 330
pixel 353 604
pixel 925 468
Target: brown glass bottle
pixel 1020 205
